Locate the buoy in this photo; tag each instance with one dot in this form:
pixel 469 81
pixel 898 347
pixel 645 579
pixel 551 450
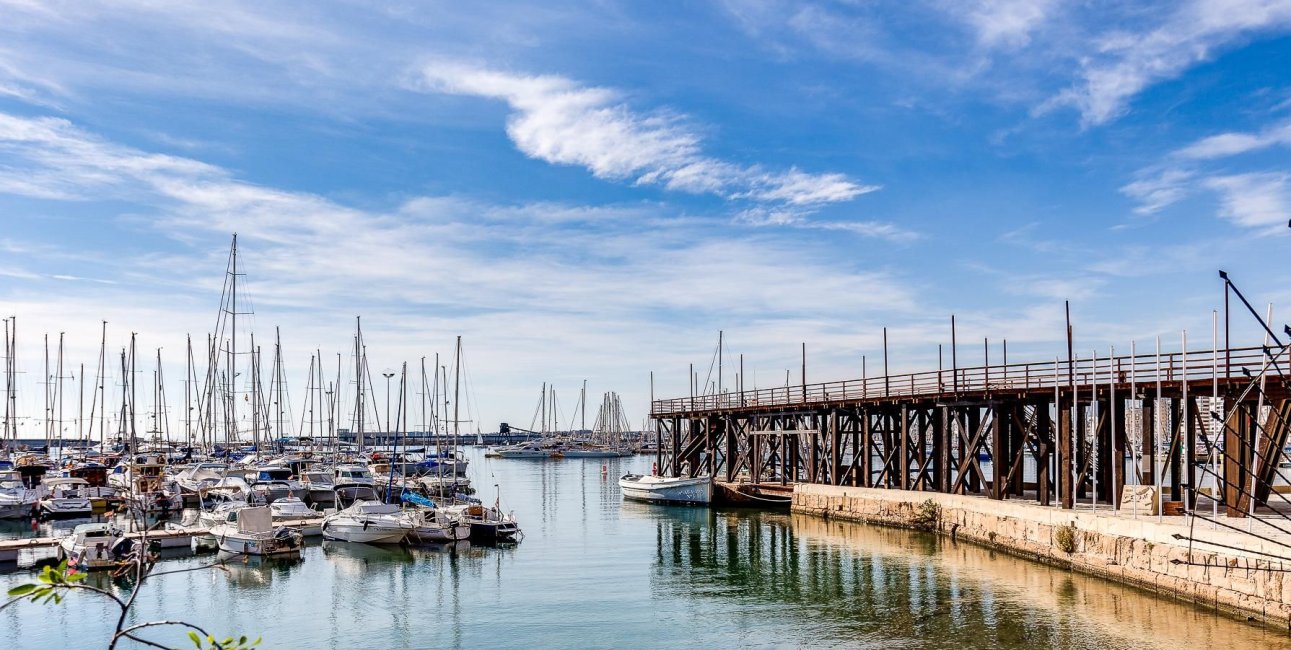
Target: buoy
pixel 654 469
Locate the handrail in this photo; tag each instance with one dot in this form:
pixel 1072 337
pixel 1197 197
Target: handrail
pixel 1194 366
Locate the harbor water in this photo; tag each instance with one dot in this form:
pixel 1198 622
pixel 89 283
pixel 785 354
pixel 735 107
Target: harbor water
pixel 593 571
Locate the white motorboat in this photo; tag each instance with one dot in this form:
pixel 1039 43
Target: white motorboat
pixel 488 525
pixel 274 483
pixel 536 449
pixel 66 498
pixel 197 478
pixel 16 499
pixel 319 486
pixel 434 527
pixel 370 522
pixel 667 489
pixel 251 531
pixel 89 547
pixel 353 474
pixel 229 488
pixel 291 511
pixel 347 494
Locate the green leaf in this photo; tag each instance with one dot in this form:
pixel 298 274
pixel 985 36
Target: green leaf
pixel 23 590
pixel 196 639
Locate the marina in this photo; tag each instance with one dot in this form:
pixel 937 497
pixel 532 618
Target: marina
pixel 715 575
pixel 854 325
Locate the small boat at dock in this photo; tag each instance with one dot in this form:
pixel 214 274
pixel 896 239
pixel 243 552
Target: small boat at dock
pixel 251 531
pixel 667 489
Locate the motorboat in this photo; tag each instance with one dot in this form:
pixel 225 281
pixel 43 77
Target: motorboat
pixel 534 449
pixel 273 483
pixel 319 487
pixel 16 499
pixel 445 486
pixel 229 488
pixel 347 494
pixel 193 480
pixel 370 522
pixel 65 498
pixel 353 474
pixel 431 525
pixel 90 547
pixel 291 511
pixel 667 489
pixel 251 531
pixel 488 524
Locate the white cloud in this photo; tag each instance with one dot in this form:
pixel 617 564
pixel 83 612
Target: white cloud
pixel 1232 144
pixel 802 219
pixel 1157 190
pixel 540 290
pixel 1127 62
pixel 560 121
pixel 1004 23
pixel 1258 200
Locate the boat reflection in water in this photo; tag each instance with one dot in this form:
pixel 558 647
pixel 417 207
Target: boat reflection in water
pixel 812 581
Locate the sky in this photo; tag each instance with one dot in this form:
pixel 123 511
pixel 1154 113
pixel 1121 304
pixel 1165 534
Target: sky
pixel 593 190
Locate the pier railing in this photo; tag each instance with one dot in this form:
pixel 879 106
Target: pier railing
pixel 1174 368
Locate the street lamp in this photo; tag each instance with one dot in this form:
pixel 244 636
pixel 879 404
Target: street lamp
pixel 388 374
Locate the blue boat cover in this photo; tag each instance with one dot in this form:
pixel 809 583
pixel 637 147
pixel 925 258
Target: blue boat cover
pixel 413 497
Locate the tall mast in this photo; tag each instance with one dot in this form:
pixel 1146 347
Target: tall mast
pixel 457 385
pixel 60 392
pixel 358 376
pixel 48 406
pixel 583 401
pixel 101 401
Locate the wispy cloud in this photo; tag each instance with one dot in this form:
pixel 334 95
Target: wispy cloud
pixel 1236 143
pixel 1004 23
pixel 762 216
pixel 560 121
pixel 1157 189
pixel 1126 62
pixel 1257 200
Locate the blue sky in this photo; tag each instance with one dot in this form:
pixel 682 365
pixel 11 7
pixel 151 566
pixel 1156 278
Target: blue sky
pixel 594 189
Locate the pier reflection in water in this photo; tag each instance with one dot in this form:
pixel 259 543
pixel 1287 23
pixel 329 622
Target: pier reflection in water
pixel 803 580
pixel 596 572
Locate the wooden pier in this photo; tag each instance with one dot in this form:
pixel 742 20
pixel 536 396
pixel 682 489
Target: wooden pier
pixel 1065 420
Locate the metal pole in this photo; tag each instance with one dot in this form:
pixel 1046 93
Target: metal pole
pixel 1156 436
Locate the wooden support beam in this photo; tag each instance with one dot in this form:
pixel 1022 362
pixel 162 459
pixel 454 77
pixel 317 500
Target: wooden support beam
pixel 1066 455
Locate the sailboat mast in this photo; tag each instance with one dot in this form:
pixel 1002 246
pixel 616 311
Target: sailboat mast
pixel 60 392
pixel 457 386
pixel 358 377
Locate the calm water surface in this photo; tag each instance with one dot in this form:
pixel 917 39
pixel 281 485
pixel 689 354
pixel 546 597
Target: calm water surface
pixel 593 571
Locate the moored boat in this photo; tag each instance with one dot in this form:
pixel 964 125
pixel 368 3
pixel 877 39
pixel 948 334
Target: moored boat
pixel 251 531
pixel 368 522
pixel 667 489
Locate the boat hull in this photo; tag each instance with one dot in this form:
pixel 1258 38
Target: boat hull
pixel 252 546
pixel 691 491
pixel 343 532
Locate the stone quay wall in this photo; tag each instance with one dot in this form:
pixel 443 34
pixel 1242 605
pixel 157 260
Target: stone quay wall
pixel 1139 551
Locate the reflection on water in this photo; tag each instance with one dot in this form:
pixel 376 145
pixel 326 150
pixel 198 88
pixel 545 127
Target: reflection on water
pixel 823 581
pixel 593 571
